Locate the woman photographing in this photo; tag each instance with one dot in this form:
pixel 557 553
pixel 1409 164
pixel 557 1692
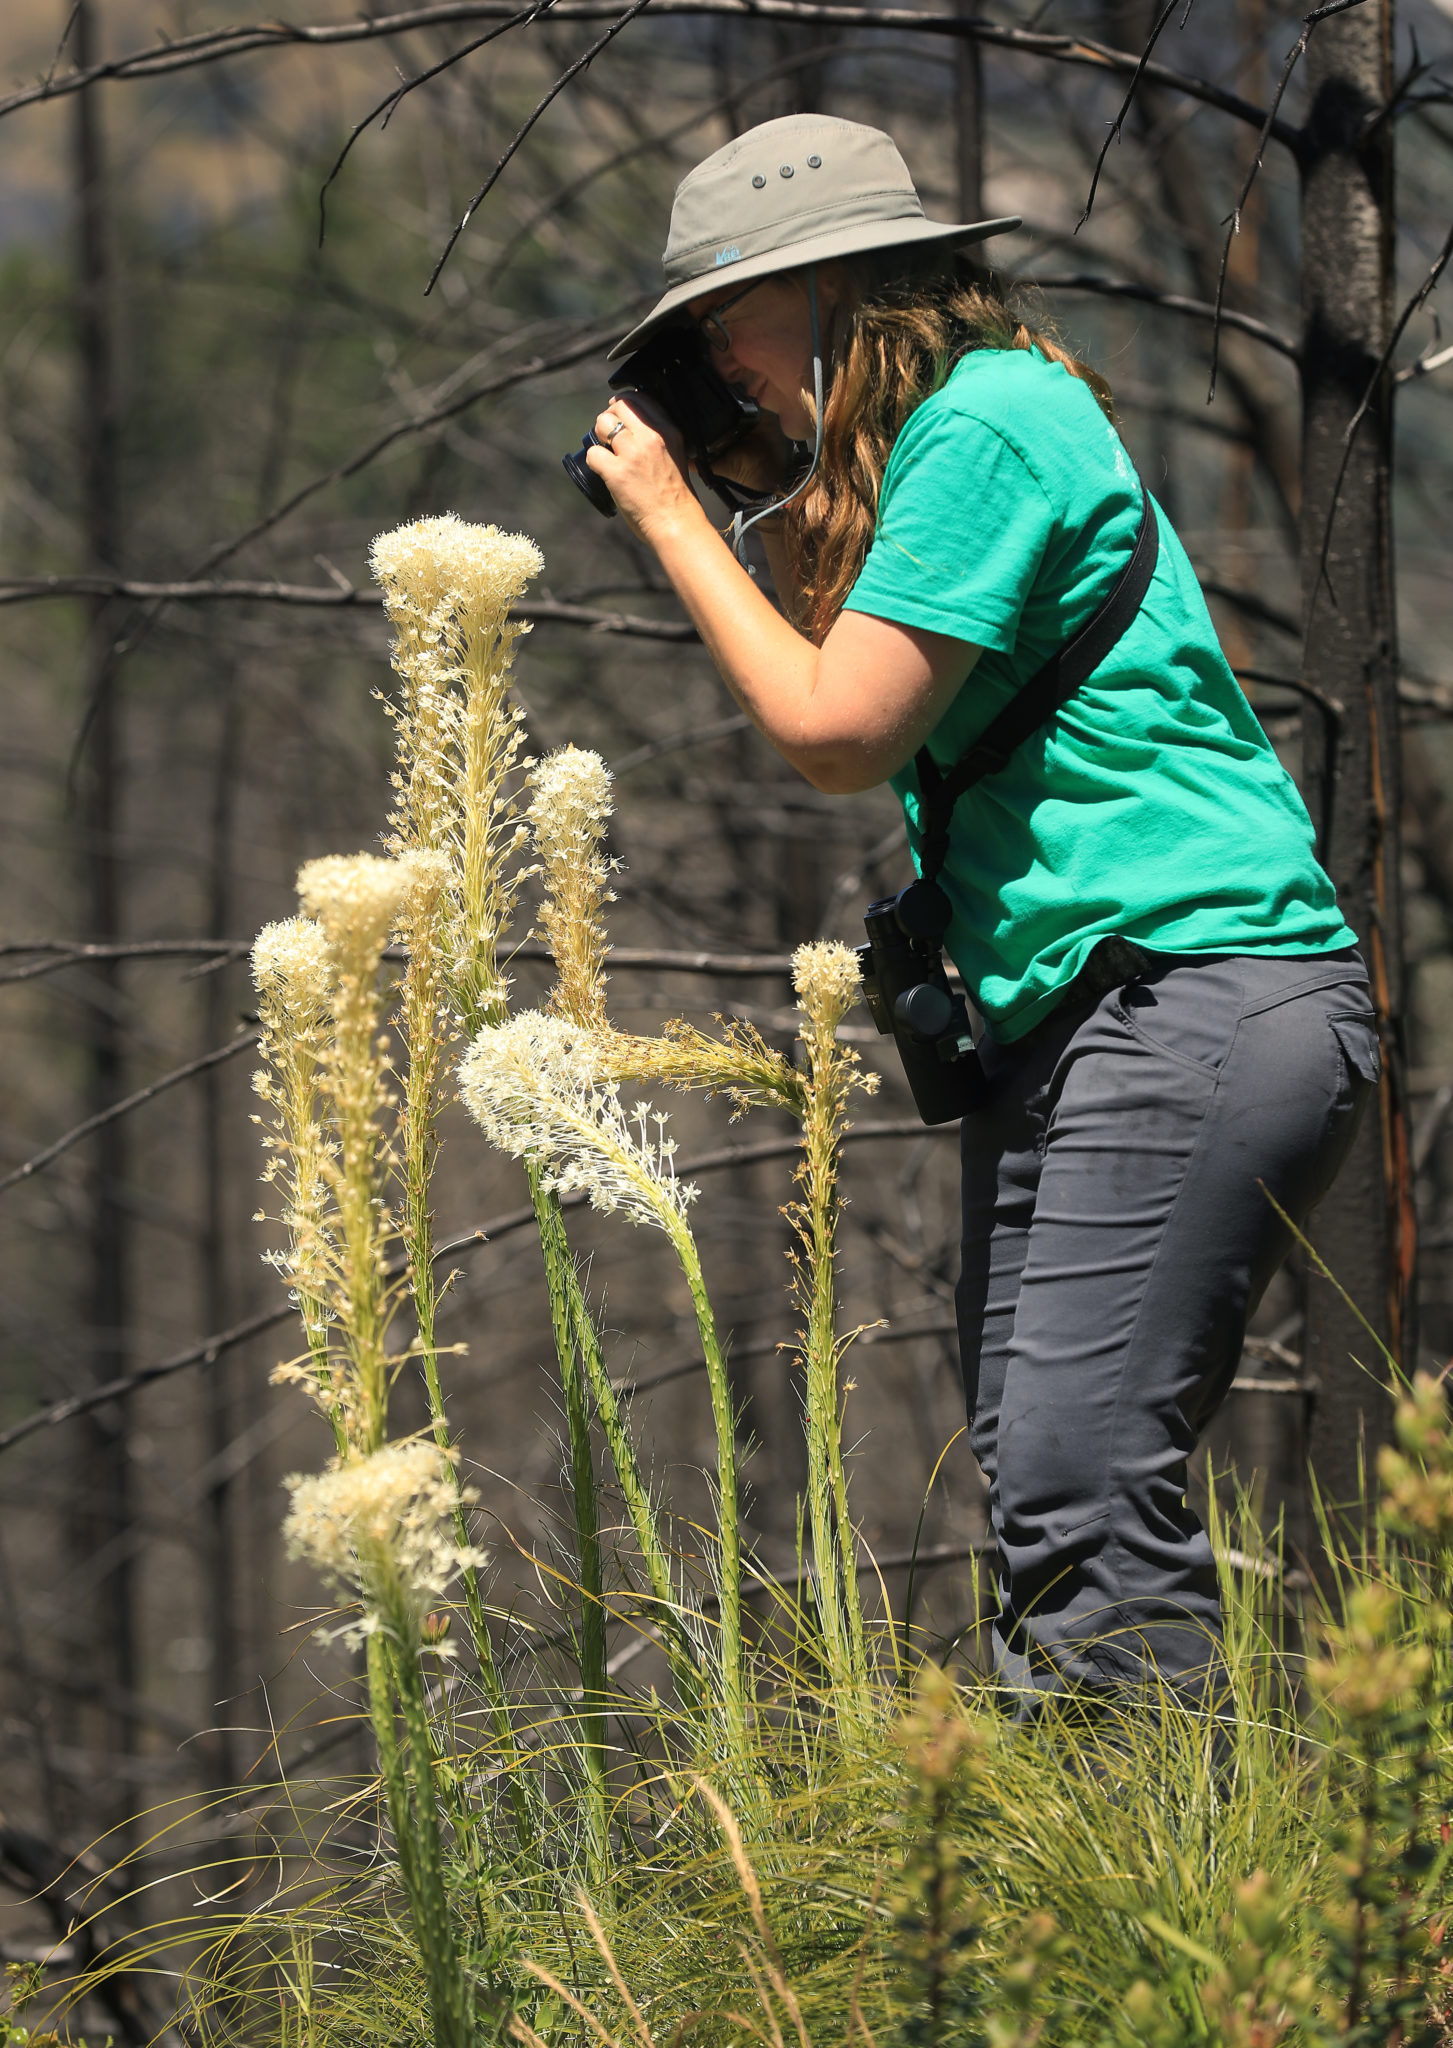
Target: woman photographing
pixel 1177 1021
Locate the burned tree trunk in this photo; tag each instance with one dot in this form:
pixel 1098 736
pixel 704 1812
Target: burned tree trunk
pixel 1364 1229
pixel 223 1589
pixel 103 1523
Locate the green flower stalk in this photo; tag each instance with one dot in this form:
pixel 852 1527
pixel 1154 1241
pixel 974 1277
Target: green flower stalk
pixel 575 1330
pixel 567 816
pixel 448 587
pixel 562 1293
pixel 424 1018
pixel 532 1085
pixel 827 981
pixel 381 1526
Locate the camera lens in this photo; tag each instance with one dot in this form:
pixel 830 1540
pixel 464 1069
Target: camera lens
pixel 926 1010
pixel 585 479
pixel 923 912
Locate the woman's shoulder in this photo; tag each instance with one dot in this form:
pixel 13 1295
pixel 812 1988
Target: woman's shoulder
pixel 1031 403
pixel 1034 410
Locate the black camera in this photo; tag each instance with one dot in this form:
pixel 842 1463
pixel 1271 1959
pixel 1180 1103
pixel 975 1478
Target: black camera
pixel 909 995
pixel 674 368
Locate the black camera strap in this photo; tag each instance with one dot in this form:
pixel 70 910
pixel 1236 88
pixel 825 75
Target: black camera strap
pixel 1036 704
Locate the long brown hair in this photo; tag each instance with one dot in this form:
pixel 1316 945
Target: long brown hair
pixel 897 332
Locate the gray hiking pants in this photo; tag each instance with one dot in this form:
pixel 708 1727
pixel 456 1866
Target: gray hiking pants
pixel 1115 1241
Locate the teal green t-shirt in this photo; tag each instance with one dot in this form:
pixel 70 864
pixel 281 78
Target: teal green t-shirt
pixel 1153 804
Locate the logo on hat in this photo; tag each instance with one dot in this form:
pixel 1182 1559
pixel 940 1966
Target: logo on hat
pixel 731 255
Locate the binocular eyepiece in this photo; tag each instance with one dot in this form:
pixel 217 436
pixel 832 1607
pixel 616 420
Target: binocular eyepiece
pixel 910 999
pixel 674 367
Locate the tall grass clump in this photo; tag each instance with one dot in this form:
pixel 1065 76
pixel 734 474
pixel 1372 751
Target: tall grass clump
pixel 795 1829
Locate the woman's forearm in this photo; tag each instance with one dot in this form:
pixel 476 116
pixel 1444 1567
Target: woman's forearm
pixel 846 715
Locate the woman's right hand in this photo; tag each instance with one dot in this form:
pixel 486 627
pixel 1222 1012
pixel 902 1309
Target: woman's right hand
pixel 640 458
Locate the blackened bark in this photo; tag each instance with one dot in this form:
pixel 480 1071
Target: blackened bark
pixel 1364 1229
pixel 803 87
pixel 106 1507
pixel 223 1588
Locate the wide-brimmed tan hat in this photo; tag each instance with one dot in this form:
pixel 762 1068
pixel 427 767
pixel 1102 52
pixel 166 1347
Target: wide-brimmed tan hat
pixel 799 190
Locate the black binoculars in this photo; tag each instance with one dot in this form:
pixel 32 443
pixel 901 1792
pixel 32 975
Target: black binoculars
pixel 674 367
pixel 910 999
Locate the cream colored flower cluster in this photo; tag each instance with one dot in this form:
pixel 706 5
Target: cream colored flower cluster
pixel 294 976
pixel 291 969
pixel 356 898
pixel 568 815
pixel 434 565
pixel 738 1064
pixel 447 589
pixel 533 1086
pixel 381 1524
pixel 827 979
pixel 570 806
pixel 325 1079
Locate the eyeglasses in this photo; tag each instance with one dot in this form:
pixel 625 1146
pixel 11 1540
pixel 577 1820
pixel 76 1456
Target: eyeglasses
pixel 710 324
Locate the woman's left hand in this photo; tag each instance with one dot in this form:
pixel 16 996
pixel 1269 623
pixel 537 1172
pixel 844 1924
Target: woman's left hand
pixel 642 465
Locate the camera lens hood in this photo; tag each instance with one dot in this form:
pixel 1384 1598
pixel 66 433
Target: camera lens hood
pixel 585 479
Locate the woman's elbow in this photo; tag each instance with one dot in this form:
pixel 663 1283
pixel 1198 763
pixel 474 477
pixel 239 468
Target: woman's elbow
pixel 841 771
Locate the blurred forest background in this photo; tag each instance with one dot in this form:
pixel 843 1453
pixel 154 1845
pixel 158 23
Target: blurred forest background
pixel 206 416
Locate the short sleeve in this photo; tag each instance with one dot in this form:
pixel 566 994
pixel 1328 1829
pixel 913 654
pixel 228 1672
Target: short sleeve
pixel 963 526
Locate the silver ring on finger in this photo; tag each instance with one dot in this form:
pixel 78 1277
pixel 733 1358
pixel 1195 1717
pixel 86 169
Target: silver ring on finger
pixel 619 427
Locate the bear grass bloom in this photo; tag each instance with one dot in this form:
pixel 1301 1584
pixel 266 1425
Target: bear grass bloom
pixel 327 1075
pixel 448 587
pixel 356 898
pixel 293 974
pixel 827 979
pixel 533 1086
pixel 436 566
pixel 568 815
pixel 383 1528
pixel 291 971
pixel 738 1064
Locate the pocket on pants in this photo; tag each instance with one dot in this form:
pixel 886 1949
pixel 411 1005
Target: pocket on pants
pixel 1357 1056
pixel 1187 1011
pixel 1356 1035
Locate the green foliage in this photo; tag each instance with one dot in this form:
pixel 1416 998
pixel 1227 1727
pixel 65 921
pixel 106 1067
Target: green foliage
pixel 24 1984
pixel 945 1876
pixel 938 1918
